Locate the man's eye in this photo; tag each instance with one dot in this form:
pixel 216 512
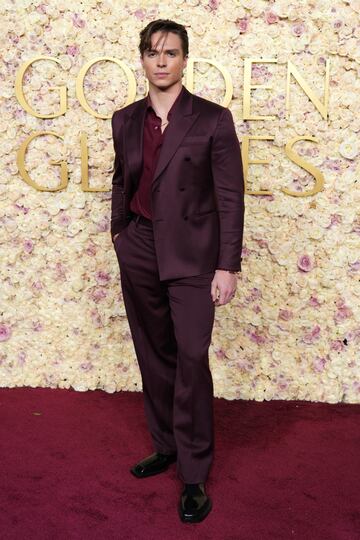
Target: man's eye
pixel 152 53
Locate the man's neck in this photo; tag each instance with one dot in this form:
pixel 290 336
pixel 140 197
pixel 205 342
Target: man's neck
pixel 162 100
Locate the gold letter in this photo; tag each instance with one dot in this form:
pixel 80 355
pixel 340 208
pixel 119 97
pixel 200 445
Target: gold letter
pixel 84 166
pixel 20 160
pixel 248 86
pixel 20 94
pixel 323 109
pixel 223 71
pixel 80 84
pixel 319 178
pixel 247 161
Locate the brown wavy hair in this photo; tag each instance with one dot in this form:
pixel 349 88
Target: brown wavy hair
pixel 166 26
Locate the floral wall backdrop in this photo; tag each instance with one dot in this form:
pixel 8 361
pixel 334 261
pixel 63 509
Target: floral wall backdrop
pixel 293 329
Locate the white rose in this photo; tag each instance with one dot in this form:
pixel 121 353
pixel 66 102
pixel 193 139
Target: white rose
pixel 349 148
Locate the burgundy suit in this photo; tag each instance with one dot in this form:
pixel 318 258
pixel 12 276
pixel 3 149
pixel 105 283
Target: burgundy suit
pixel 167 264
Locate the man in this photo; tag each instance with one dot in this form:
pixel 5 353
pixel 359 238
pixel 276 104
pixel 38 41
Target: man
pixel 177 217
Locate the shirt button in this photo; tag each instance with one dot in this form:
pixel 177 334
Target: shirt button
pixel 156 127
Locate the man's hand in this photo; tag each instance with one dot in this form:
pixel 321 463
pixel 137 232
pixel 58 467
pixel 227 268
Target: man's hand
pixel 226 283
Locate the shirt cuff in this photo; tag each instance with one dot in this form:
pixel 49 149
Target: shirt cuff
pixel 231 271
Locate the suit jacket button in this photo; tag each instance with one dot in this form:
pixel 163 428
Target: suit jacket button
pixel 186 217
pixel 187 158
pixel 181 188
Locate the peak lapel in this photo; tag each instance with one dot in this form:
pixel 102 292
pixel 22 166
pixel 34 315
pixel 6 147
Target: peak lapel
pixel 181 121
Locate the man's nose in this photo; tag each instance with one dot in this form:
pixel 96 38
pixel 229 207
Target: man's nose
pixel 161 60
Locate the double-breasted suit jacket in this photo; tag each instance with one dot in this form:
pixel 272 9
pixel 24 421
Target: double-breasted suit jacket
pixel 197 193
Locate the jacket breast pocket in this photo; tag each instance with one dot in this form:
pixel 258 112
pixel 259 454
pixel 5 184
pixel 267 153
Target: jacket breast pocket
pixel 205 212
pixel 192 140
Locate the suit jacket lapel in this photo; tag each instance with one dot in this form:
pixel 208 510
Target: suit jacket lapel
pixel 182 119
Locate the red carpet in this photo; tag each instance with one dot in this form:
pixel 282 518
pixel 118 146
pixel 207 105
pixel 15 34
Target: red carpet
pixel 282 470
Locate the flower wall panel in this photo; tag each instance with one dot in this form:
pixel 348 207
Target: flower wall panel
pixel 293 329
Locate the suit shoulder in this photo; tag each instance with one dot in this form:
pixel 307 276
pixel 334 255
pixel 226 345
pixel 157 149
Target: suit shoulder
pixel 204 105
pixel 128 110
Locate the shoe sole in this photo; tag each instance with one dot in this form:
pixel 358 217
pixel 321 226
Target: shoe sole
pixel 196 519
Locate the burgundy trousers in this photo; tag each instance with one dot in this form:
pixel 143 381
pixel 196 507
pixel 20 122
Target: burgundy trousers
pixel 171 322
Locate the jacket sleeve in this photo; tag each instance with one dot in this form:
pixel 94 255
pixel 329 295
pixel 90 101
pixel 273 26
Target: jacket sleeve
pixel 118 221
pixel 227 171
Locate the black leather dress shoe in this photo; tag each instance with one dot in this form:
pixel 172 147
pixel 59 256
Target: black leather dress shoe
pixel 194 504
pixel 154 464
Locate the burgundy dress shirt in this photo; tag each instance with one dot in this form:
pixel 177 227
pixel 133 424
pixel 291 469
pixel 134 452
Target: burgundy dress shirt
pixel 152 143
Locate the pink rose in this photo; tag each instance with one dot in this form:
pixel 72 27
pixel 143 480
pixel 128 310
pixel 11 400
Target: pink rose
pixel 72 50
pixel 313 301
pixel 271 17
pixel 313 335
pixel 41 8
pixel 336 345
pixel 213 4
pixel 78 22
pixel 353 335
pixel 64 219
pixel 220 354
pixel 91 250
pixel 28 246
pixel 285 314
pixel 242 25
pixel 37 326
pixel 335 219
pixel 298 29
pixel 96 318
pixel 103 225
pixel 356 226
pixel 304 263
pixel 319 363
pixel 86 366
pixel 342 313
pixel 5 332
pixel 140 14
pixel 98 294
pixel 60 271
pixel 21 207
pixel 255 294
pixel 256 338
pixel 262 243
pixel 102 277
pixel 21 358
pixel 354 267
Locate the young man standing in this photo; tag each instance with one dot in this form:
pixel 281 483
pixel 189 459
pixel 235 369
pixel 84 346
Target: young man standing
pixel 177 218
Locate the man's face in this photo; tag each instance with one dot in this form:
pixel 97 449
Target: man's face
pixel 164 63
